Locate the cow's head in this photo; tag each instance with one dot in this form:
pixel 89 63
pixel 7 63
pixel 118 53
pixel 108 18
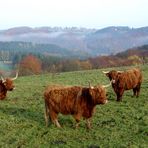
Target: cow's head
pixel 98 94
pixel 112 75
pixel 8 82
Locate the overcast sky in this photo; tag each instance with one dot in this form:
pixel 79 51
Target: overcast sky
pixel 78 13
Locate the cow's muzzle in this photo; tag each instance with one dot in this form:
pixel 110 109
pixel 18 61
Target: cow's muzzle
pixel 113 81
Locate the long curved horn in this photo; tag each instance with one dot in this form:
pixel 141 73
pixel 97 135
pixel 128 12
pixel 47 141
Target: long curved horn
pixel 105 86
pixel 3 80
pixel 89 84
pixel 105 72
pixel 15 76
pixel 120 71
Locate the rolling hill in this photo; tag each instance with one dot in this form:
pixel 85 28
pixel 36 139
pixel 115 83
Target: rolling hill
pixel 110 40
pixel 8 49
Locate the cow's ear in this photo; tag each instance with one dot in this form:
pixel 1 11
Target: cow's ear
pixel 106 73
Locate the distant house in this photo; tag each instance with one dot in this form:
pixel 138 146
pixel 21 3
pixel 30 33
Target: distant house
pixel 5 65
pixel 7 62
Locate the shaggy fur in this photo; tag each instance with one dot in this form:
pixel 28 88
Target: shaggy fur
pixel 4 87
pixel 130 79
pixel 76 100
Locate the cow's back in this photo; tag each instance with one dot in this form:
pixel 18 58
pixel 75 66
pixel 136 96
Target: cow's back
pixel 130 79
pixel 62 99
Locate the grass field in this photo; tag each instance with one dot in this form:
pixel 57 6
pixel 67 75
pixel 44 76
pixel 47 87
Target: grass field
pixel 115 125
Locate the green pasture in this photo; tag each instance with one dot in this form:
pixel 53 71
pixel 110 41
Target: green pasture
pixel 114 125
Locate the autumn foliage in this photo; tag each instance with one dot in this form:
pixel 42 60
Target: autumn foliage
pixel 30 65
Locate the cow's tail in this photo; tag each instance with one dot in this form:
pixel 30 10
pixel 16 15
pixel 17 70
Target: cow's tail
pixel 46 113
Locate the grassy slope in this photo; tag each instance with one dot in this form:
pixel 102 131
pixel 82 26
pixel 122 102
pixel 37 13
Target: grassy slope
pixel 123 124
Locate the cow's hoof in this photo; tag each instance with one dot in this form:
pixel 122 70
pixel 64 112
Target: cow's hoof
pixel 118 100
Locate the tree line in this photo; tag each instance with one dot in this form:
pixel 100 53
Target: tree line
pixel 32 64
pixel 37 63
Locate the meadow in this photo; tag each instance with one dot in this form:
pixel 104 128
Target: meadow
pixel 114 125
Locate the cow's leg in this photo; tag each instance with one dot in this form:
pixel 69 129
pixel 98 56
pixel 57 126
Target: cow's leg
pixel 77 124
pixel 57 123
pixel 134 91
pixel 138 89
pixel 77 118
pixel 120 94
pixel 88 123
pixel 54 118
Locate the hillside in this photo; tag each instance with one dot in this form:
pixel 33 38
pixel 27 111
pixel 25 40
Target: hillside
pixel 116 124
pixel 133 56
pixel 116 39
pixel 141 51
pixel 9 49
pixel 55 59
pixel 110 40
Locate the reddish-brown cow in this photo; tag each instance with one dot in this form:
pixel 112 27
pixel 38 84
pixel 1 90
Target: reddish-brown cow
pixel 6 85
pixel 76 100
pixel 121 81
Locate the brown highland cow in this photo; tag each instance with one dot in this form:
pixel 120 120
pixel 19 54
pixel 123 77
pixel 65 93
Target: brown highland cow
pixel 6 85
pixel 121 81
pixel 76 101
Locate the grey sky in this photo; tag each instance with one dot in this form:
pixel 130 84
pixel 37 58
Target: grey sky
pixel 77 13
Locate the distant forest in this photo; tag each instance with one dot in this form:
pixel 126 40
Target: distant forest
pixel 38 58
pixel 14 51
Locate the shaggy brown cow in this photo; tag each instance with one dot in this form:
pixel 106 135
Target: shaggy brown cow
pixel 6 85
pixel 76 100
pixel 121 81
